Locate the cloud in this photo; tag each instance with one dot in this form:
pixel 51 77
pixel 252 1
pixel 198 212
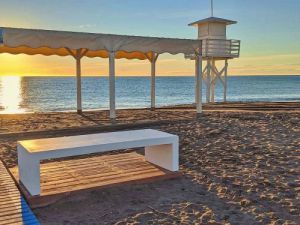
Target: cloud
pixel 266 65
pixel 84 26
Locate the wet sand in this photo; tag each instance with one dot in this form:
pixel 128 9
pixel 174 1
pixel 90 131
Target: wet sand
pixel 241 165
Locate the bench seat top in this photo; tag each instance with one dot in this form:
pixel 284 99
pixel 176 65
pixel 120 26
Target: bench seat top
pixel 112 138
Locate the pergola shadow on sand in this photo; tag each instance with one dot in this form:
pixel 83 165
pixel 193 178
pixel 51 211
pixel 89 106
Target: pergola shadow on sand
pixel 78 45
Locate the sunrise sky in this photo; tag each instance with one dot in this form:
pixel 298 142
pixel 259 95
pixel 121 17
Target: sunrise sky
pixel 269 31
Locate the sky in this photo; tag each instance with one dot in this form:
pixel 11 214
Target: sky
pixel 269 31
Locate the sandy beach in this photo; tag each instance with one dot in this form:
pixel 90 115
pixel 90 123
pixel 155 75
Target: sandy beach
pixel 240 165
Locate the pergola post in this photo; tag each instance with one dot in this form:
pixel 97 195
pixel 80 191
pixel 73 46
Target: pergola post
pixel 153 60
pixel 153 79
pixel 225 80
pixel 78 54
pixel 198 81
pixel 112 88
pixel 78 82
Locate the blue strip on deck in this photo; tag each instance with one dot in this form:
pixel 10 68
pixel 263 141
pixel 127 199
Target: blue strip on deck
pixel 13 207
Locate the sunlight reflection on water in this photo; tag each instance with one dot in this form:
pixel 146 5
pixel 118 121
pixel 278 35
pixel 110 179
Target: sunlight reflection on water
pixel 10 94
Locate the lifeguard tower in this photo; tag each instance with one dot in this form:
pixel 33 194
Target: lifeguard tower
pixel 216 47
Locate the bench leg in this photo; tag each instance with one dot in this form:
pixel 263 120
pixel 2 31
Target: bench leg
pixel 29 171
pixel 165 156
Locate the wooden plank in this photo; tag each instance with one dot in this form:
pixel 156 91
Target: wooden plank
pixel 125 180
pixel 91 160
pixel 6 192
pixel 10 202
pixel 90 180
pixel 109 169
pixel 63 177
pixel 9 209
pixel 13 208
pixel 99 177
pixel 104 159
pixel 20 220
pixel 7 197
pixel 25 213
pixel 77 164
pixel 11 193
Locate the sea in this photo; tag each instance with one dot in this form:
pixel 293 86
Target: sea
pixel 49 94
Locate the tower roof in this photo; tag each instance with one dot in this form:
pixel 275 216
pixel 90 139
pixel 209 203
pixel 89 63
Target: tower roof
pixel 213 20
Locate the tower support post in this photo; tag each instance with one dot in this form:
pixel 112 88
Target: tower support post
pixel 198 83
pixel 208 80
pixel 213 80
pixel 225 81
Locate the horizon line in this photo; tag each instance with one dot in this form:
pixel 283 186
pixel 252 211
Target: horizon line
pixel 143 76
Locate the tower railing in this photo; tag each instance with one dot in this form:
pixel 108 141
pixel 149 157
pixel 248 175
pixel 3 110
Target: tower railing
pixel 221 48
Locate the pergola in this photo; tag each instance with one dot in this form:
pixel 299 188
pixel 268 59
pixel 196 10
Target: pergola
pixel 78 45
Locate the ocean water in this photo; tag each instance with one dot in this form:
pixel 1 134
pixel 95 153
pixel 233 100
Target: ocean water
pixel 41 94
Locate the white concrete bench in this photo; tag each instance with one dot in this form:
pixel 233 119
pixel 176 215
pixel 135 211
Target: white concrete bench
pixel 161 149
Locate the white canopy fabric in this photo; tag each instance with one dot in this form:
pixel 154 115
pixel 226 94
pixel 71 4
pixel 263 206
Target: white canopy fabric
pixel 48 42
pixel 63 43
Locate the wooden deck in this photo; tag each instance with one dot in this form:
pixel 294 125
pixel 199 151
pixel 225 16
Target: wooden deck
pixel 61 178
pixel 13 207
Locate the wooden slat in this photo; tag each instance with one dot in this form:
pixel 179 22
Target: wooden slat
pixel 7 197
pixel 72 175
pixel 80 163
pixel 92 179
pixel 20 220
pixel 13 208
pixel 88 178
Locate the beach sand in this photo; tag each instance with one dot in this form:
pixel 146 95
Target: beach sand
pixel 240 164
